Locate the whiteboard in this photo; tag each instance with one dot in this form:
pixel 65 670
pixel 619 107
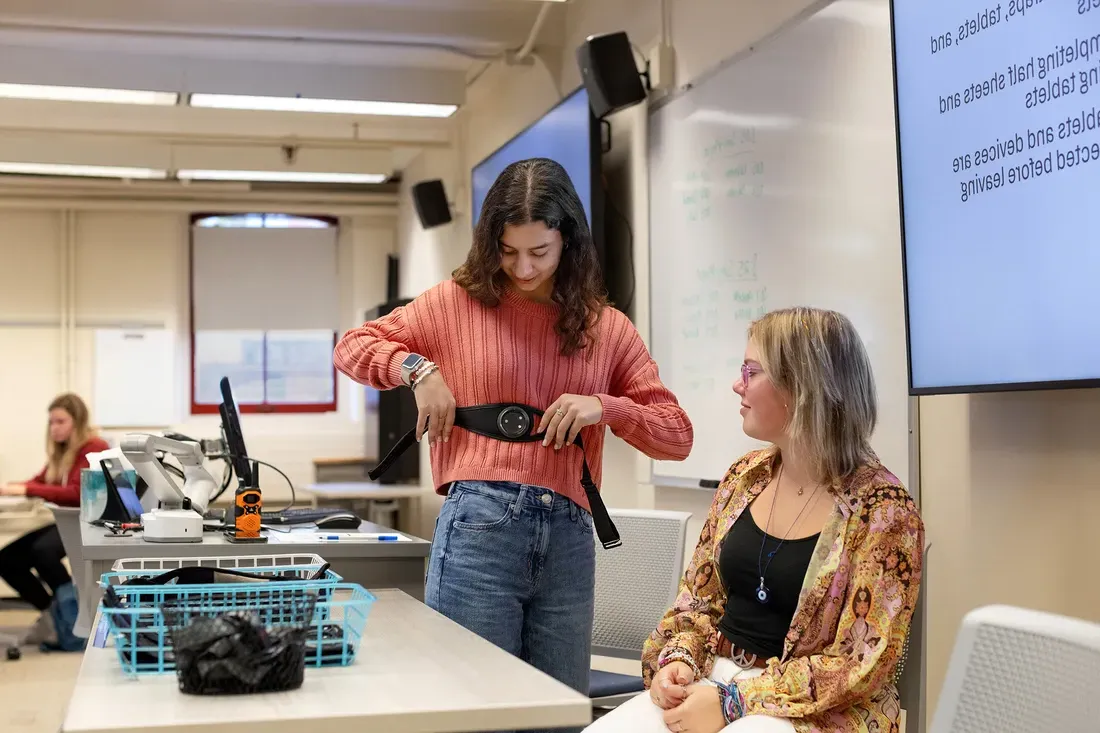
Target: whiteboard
pixel 773 183
pixel 134 378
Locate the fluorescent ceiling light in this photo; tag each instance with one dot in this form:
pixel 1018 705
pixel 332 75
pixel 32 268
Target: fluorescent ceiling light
pixel 83 171
pixel 279 176
pixel 86 94
pixel 334 106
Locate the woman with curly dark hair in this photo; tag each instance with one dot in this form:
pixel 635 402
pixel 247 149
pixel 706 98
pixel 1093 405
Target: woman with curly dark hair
pixel 525 320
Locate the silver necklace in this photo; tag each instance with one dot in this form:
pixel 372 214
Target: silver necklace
pixel 763 593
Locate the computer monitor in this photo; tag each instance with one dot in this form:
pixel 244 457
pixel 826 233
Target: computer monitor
pixel 234 436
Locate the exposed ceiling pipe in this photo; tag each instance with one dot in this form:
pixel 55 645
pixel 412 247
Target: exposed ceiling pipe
pixel 533 36
pixel 64 295
pixel 527 49
pixel 246 37
pixel 70 258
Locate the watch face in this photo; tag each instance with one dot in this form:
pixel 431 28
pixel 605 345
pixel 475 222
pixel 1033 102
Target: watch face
pixel 411 361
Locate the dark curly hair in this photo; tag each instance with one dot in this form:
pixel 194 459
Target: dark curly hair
pixel 533 190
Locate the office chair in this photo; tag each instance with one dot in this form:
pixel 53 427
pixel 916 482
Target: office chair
pixel 1015 670
pixel 635 584
pixel 11 644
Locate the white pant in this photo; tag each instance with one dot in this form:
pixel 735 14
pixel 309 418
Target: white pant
pixel 641 714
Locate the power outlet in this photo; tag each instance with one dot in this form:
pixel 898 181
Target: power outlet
pixel 662 67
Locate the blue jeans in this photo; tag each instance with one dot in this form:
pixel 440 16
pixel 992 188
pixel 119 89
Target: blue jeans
pixel 516 564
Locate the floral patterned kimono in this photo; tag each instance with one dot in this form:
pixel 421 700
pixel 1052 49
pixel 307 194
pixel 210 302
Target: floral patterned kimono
pixel 853 612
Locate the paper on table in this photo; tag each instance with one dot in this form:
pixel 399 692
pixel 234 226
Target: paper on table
pixel 322 536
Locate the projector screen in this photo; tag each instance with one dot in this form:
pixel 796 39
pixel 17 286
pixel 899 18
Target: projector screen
pixel 568 134
pixel 998 107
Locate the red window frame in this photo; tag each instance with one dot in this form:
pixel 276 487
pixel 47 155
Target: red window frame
pixel 254 408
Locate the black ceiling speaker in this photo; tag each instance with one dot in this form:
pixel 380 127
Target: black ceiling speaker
pixel 610 76
pixel 430 200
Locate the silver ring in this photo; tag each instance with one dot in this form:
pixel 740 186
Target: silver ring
pixel 560 412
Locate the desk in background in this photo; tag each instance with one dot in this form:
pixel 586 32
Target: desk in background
pixel 327 470
pixel 373 501
pixel 15 510
pixel 11 503
pixel 415 671
pixel 370 564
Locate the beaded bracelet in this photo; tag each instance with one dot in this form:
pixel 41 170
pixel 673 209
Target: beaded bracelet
pixel 423 373
pixel 678 656
pixel 733 704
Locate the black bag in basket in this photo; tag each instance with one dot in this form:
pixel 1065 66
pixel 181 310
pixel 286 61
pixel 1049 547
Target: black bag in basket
pixel 240 652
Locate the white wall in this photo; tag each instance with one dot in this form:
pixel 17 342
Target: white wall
pixel 1010 495
pixel 1009 482
pixel 132 266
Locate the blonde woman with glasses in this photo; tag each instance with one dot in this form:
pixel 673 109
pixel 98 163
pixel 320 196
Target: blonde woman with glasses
pixel 794 610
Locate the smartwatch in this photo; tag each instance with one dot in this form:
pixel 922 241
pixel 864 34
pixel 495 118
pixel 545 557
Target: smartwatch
pixel 410 365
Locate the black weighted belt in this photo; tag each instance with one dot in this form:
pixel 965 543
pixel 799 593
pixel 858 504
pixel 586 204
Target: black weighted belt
pixel 513 423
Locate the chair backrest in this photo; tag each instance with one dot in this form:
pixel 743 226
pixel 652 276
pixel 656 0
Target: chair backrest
pixel 910 672
pixel 636 582
pixel 67 520
pixel 1015 670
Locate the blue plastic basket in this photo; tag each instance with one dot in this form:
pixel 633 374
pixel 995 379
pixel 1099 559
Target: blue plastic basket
pixel 251 594
pixel 291 573
pixel 143 639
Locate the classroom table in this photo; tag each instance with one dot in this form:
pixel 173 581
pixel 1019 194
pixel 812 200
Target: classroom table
pixel 18 510
pixel 11 503
pixel 371 564
pixel 358 495
pixel 416 671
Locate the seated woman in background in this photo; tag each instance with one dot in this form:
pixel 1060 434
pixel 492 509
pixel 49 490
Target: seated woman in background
pixel 795 607
pixel 69 440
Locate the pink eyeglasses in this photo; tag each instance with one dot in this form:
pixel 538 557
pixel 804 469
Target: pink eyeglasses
pixel 747 371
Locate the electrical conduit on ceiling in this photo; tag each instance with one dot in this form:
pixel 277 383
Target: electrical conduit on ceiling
pixel 533 36
pixel 524 51
pixel 73 246
pixel 66 279
pixel 62 299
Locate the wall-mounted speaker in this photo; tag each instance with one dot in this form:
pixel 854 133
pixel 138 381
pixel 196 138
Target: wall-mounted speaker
pixel 607 67
pixel 430 200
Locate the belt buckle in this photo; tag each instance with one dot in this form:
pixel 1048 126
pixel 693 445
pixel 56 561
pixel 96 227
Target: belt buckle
pixel 742 658
pixel 513 422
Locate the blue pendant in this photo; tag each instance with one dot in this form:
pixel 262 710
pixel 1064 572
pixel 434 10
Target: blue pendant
pixel 762 593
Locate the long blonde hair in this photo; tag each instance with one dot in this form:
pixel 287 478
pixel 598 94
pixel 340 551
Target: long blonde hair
pixel 817 358
pixel 61 456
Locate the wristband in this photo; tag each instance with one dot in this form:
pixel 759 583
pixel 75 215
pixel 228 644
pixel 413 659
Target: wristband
pixel 733 704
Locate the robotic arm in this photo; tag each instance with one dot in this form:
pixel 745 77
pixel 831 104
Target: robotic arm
pixel 198 484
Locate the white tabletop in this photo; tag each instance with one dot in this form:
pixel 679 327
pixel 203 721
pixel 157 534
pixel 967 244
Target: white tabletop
pixel 363 490
pixel 417 672
pixel 98 544
pixel 8 503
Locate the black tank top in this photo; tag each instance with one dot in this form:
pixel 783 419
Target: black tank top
pixel 760 628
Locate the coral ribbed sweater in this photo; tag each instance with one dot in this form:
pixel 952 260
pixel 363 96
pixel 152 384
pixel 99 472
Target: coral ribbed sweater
pixel 511 353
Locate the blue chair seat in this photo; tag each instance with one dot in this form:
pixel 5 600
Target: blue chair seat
pixel 607 684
